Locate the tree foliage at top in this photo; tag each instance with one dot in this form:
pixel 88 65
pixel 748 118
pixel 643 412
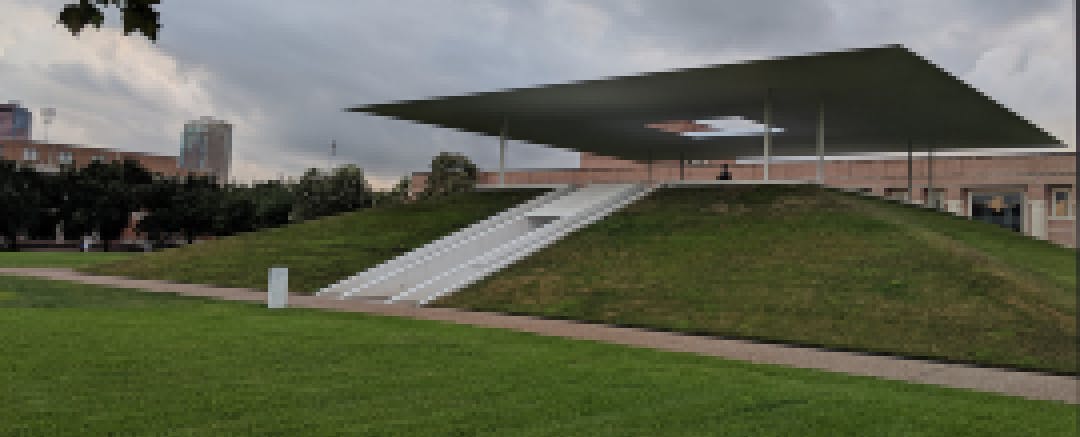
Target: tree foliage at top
pixel 186 205
pixel 101 197
pixel 20 201
pixel 273 204
pixel 158 199
pixel 319 194
pixel 104 198
pixel 136 15
pixel 402 190
pixel 195 206
pixel 450 173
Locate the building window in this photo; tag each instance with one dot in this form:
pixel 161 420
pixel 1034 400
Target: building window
pixel 1063 205
pixel 897 194
pixel 97 158
pixel 29 154
pixel 64 157
pixel 697 162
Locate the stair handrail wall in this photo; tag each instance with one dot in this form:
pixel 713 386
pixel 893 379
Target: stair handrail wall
pixel 467 231
pixel 470 247
pixel 435 264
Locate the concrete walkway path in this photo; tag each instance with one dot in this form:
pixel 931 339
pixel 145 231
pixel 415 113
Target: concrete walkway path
pixel 1031 385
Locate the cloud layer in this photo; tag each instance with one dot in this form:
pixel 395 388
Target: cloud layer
pixel 282 71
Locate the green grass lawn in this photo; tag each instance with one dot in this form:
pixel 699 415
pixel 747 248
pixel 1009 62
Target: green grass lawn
pixel 61 259
pixel 83 360
pixel 805 265
pixel 787 264
pixel 318 252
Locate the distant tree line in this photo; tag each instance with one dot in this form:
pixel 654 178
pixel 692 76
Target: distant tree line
pixel 101 197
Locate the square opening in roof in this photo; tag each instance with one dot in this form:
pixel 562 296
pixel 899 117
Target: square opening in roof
pixel 725 126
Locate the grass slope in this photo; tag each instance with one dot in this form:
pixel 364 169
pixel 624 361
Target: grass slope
pixel 84 360
pixel 60 259
pixel 806 265
pixel 318 252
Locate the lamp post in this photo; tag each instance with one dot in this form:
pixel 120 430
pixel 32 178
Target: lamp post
pixel 333 153
pixel 47 115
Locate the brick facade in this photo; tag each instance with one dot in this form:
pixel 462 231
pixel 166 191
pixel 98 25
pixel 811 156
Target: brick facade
pixel 52 155
pixel 48 157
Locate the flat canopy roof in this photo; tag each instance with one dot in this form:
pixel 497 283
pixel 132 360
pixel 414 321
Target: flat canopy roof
pixel 874 100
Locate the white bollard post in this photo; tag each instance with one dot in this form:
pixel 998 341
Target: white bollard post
pixel 277 295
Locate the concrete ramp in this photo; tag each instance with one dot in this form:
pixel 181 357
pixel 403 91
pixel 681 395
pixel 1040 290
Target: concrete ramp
pixel 363 283
pixel 454 262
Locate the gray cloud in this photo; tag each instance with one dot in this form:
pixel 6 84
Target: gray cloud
pixel 709 26
pixel 285 71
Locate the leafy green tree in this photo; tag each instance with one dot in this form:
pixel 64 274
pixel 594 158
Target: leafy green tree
pixel 319 194
pixel 102 197
pixel 77 204
pixel 21 201
pixel 137 15
pixel 401 192
pixel 273 204
pixel 311 194
pixel 158 202
pixel 197 202
pixel 188 205
pixel 51 191
pixel 236 212
pixel 450 173
pixel 349 190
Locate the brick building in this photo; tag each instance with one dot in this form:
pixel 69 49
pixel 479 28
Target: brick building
pixel 48 157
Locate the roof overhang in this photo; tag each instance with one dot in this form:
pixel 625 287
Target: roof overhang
pixel 875 100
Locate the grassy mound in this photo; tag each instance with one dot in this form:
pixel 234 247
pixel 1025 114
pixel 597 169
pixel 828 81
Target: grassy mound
pixel 806 265
pixel 318 252
pixel 83 360
pixel 60 259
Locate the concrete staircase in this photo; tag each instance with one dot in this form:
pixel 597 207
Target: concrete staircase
pixel 354 286
pixel 462 258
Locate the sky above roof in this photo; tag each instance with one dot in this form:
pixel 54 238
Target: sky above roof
pixel 282 72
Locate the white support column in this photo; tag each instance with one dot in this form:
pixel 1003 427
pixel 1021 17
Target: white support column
pixel 682 166
pixel 910 185
pixel 1037 222
pixel 768 134
pixel 929 202
pixel 502 153
pixel 821 144
pixel 650 167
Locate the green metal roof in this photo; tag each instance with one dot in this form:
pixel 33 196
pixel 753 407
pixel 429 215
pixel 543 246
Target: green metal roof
pixel 876 99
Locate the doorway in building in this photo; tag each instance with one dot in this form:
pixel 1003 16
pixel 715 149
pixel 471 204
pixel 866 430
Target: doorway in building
pixel 1003 209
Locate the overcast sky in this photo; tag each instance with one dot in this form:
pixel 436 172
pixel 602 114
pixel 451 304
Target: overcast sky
pixel 282 71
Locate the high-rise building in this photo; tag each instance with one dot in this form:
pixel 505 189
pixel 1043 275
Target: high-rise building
pixel 207 147
pixel 14 121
